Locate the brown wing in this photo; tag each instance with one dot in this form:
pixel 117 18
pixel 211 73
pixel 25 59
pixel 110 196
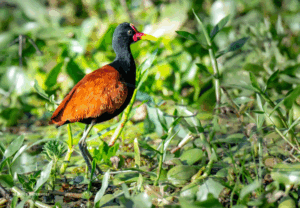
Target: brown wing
pixel 98 92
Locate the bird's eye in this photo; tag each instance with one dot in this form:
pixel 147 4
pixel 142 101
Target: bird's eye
pixel 129 32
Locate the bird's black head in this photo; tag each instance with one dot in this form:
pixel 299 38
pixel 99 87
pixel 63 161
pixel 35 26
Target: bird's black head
pixel 125 34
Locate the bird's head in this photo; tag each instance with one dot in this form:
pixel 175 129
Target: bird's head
pixel 126 33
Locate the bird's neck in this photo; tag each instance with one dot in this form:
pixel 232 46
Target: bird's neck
pixel 124 62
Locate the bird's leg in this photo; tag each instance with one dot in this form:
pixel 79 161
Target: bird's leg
pixel 83 148
pixel 91 159
pixel 82 145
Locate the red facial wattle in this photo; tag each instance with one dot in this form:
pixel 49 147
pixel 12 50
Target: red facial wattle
pixel 137 36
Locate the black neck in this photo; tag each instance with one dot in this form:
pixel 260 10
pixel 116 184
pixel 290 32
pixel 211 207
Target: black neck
pixel 124 63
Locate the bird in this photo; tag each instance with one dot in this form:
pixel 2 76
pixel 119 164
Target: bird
pixel 104 93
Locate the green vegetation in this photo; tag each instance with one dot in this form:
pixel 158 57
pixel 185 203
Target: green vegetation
pixel 215 118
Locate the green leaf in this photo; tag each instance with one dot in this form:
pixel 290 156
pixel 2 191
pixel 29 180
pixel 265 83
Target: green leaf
pixel 104 186
pixel 279 27
pixel 137 156
pixel 291 97
pixel 191 156
pixel 250 188
pixel 74 71
pixel 142 200
pixel 254 82
pixel 52 76
pixel 208 40
pixel 20 151
pixel 237 44
pixel 6 180
pixel 203 69
pixel 272 78
pixel 143 70
pixel 219 27
pixel 189 191
pixel 187 35
pixel 287 174
pixel 39 90
pixel 180 174
pixel 209 187
pixel 34 9
pixel 255 68
pixel 233 46
pixel 45 174
pixel 146 146
pixel 14 146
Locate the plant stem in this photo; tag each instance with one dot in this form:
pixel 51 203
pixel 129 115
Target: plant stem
pixel 282 118
pixel 214 63
pixel 160 163
pixel 70 151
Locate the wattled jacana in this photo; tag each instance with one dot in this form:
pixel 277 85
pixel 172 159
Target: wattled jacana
pixel 104 93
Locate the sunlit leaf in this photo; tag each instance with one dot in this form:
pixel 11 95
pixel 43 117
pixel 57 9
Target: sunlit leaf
pixel 137 156
pixel 286 174
pixel 104 186
pixel 142 200
pixel 45 174
pixel 14 146
pixel 209 187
